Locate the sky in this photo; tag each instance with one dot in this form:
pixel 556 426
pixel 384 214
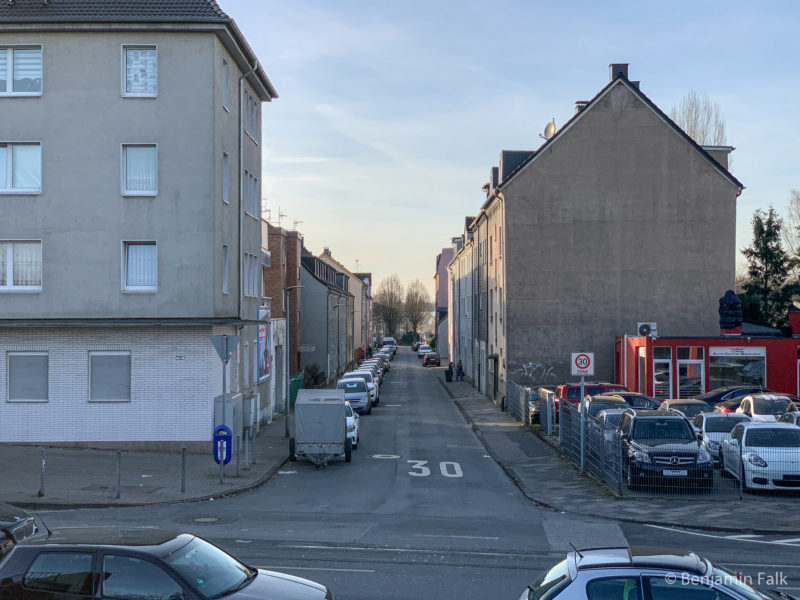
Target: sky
pixel 391 114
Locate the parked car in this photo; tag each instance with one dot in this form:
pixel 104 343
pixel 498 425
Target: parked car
pixel 384 358
pixel 107 562
pixel 712 428
pixel 594 404
pixel 608 421
pixel 351 427
pixel 730 391
pixel 729 405
pixel 373 367
pixel 660 447
pixel 389 341
pixel 388 351
pixel 637 400
pixel 366 375
pixel 765 407
pixel 15 526
pixel 642 572
pixel 431 359
pixel 356 393
pixel 688 407
pixel 423 350
pixel 571 392
pixel 790 417
pixel 764 456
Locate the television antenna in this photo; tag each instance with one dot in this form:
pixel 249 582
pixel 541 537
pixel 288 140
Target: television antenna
pixel 280 216
pixel 296 222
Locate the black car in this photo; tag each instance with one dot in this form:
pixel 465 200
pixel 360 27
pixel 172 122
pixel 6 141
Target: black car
pixel 431 359
pixel 661 448
pixel 15 525
pixel 731 391
pixel 128 564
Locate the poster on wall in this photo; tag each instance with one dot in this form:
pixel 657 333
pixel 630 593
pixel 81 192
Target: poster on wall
pixel 264 345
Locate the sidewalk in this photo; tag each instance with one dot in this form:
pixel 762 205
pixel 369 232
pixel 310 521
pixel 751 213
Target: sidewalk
pixel 88 477
pixel 553 482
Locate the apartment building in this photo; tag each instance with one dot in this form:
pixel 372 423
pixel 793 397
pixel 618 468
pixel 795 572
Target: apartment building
pixel 130 167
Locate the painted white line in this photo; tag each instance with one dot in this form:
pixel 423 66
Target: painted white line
pixel 724 537
pixel 406 550
pixel 462 537
pixel 394 404
pixel 789 541
pixel 759 565
pixel 291 568
pixel 742 536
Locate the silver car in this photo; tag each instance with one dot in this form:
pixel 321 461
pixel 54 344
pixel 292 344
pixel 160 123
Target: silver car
pixel 713 428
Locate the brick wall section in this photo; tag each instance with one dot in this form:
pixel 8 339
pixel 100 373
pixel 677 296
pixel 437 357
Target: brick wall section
pixel 175 374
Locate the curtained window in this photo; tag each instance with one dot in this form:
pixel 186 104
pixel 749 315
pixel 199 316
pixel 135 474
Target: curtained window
pixel 20 71
pixel 141 266
pixel 20 265
pixel 140 71
pixel 139 170
pixel 20 167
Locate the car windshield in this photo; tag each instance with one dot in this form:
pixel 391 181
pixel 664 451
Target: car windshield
pixel 352 385
pixel 773 438
pixel 770 406
pixel 662 429
pixel 359 375
pixel 734 581
pixel 721 424
pixel 207 569
pixel 637 401
pixel 424 348
pixel 549 580
pixel 613 420
pixel 595 406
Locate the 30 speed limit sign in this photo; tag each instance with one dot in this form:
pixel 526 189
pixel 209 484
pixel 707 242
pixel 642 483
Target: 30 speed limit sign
pixel 582 363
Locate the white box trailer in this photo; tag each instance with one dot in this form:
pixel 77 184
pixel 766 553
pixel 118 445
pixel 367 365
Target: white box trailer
pixel 320 427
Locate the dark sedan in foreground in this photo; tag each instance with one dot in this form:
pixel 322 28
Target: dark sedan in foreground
pixel 130 564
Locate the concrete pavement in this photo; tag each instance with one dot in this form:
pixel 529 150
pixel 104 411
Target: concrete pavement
pixel 551 481
pixel 88 477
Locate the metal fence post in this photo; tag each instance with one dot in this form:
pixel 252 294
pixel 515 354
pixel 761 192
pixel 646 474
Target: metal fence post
pixel 619 464
pixel 741 471
pixel 183 470
pixel 119 473
pixel 44 466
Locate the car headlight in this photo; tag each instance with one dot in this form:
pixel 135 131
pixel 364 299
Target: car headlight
pixel 713 445
pixel 756 460
pixel 703 456
pixel 641 456
pixel 351 428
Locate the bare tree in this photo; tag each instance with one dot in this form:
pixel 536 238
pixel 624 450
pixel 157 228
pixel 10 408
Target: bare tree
pixel 790 233
pixel 418 303
pixel 701 119
pixel 387 304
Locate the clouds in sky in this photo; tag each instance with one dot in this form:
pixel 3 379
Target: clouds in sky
pixel 391 115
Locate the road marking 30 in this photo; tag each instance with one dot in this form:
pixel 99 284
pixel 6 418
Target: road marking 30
pixel 446 468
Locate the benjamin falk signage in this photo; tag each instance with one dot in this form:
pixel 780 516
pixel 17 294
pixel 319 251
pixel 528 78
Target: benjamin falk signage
pixel 737 351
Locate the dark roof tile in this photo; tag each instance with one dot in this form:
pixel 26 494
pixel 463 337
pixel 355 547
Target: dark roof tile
pixel 110 10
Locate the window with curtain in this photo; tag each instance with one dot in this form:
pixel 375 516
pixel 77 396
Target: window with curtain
pixel 224 269
pixel 27 376
pixel 21 71
pixel 226 178
pixel 110 376
pixel 140 71
pixel 20 168
pixel 20 265
pixel 225 84
pixel 141 266
pixel 139 170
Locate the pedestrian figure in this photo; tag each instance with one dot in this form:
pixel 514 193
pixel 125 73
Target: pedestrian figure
pixel 460 372
pixel 369 351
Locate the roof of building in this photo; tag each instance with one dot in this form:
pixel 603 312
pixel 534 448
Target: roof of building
pixel 115 10
pixel 634 89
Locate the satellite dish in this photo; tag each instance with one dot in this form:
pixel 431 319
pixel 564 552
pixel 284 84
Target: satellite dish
pixel 550 129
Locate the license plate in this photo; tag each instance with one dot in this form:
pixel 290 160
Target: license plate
pixel 672 473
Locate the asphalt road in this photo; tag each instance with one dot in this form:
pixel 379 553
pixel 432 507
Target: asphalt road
pixel 422 511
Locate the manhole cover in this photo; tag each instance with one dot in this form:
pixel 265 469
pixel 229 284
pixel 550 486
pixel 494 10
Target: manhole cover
pixel 386 456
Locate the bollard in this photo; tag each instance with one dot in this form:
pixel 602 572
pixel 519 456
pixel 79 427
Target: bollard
pixel 119 475
pixel 44 466
pixel 246 449
pixel 238 448
pixel 183 470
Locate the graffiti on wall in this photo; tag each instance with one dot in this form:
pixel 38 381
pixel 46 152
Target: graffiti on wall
pixel 534 372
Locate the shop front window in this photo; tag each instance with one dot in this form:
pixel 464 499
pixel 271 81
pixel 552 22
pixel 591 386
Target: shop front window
pixel 662 372
pixel 737 366
pixel 691 371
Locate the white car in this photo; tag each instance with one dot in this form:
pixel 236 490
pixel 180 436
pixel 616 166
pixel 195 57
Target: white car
pixel 763 456
pixel 366 376
pixel 765 407
pixel 375 367
pixel 712 428
pixel 351 420
pixel 423 350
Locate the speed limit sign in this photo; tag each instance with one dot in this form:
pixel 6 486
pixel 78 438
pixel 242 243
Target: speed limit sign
pixel 582 363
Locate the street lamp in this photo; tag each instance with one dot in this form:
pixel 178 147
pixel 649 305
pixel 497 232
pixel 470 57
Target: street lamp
pixel 286 351
pixel 338 335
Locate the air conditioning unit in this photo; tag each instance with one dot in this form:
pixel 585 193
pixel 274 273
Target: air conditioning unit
pixel 647 329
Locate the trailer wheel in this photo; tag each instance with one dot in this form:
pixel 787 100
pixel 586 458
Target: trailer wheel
pixel 348 450
pixel 292 456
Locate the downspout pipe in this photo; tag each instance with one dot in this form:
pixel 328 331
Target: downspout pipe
pixel 241 185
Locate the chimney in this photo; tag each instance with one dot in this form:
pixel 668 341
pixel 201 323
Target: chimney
pixel 618 70
pixel 580 105
pixel 327 252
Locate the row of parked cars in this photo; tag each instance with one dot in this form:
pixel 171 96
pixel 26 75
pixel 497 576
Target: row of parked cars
pixel 750 434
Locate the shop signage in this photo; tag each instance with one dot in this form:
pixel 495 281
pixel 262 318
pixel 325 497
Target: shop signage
pixel 737 351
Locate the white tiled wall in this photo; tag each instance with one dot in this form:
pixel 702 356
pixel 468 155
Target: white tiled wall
pixel 175 374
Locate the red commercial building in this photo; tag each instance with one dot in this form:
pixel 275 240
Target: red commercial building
pixel 682 367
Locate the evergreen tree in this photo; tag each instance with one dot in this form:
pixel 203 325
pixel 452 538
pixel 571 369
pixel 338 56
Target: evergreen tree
pixel 767 290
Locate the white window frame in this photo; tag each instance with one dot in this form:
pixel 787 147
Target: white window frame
pixel 123 80
pixel 225 85
pixel 124 268
pixel 8 376
pixel 9 86
pixel 226 178
pixel 123 175
pixel 89 371
pixel 225 272
pixel 10 166
pixel 9 260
